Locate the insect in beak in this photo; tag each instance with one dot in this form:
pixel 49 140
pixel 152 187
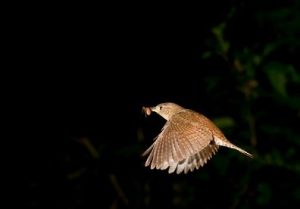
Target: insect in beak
pixel 147 111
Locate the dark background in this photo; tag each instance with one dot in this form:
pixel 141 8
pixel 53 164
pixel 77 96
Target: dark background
pixel 90 69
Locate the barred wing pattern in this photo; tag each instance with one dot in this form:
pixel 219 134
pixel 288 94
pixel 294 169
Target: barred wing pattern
pixel 182 145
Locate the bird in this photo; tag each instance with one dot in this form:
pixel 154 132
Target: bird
pixel 187 140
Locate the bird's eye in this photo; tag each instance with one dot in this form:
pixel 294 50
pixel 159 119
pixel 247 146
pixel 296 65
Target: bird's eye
pixel 160 107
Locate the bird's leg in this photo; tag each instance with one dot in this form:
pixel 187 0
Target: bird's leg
pixel 212 142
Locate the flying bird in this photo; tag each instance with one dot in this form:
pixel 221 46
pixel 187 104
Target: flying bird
pixel 187 140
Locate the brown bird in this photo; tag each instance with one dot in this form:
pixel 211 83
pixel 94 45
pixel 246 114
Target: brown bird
pixel 187 141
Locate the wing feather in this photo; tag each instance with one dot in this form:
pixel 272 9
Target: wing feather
pixel 182 145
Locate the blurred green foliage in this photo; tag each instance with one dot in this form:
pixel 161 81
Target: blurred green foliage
pixel 266 74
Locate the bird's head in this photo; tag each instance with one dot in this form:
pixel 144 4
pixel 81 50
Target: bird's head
pixel 166 110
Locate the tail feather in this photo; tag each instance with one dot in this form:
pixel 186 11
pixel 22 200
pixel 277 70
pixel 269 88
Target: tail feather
pixel 226 143
pixel 242 151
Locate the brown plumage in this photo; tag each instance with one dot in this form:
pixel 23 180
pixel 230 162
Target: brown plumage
pixel 187 141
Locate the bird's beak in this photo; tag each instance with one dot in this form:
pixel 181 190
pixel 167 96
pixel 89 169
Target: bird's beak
pixel 154 109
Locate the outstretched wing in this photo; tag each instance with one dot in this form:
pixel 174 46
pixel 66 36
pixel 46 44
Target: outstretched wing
pixel 195 161
pixel 183 144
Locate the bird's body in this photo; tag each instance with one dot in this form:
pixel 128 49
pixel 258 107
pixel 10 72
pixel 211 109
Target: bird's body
pixel 187 141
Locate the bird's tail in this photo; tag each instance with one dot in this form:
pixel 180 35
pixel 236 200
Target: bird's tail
pixel 242 151
pixel 232 146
